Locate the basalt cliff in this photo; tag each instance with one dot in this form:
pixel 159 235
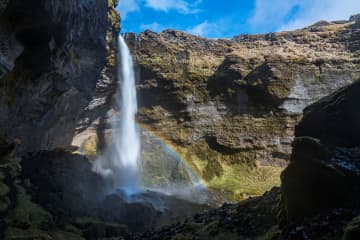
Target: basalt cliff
pixel 230 106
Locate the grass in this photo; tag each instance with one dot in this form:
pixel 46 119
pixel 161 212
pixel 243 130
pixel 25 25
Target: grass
pixel 240 181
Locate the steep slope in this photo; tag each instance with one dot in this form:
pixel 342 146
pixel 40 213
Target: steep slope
pixel 229 106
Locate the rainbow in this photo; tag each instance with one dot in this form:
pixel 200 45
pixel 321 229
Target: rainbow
pixel 172 150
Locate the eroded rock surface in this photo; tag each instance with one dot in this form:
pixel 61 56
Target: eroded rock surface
pixel 57 68
pixel 318 197
pixel 227 102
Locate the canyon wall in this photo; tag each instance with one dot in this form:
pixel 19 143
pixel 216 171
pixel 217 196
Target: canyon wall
pixel 57 76
pixel 318 197
pixel 57 69
pixel 228 104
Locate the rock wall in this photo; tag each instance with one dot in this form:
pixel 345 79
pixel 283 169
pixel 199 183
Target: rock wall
pixel 57 68
pixel 325 164
pixel 318 197
pixel 227 102
pixel 57 77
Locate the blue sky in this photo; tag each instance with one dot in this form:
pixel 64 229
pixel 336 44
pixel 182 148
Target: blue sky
pixel 227 18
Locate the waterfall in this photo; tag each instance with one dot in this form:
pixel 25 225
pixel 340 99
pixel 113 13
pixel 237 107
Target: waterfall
pixel 128 141
pixel 129 171
pixel 120 164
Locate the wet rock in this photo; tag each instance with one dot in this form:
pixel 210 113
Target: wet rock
pixel 63 183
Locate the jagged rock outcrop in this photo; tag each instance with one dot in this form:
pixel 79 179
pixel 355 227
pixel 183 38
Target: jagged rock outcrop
pixel 334 120
pixel 56 69
pixel 236 101
pixel 324 170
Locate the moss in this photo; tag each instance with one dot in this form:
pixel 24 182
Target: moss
pixel 4 189
pixel 241 181
pixel 273 233
pixel 237 175
pixel 90 146
pixel 4 204
pixel 213 169
pixel 96 229
pixel 352 230
pixel 13 233
pixel 28 215
pixel 62 235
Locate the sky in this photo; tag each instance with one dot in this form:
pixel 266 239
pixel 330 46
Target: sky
pixel 228 18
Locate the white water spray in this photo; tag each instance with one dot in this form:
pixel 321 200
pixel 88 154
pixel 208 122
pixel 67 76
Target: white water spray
pixel 128 141
pixel 121 163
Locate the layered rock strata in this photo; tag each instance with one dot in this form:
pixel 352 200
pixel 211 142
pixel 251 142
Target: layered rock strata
pixel 226 103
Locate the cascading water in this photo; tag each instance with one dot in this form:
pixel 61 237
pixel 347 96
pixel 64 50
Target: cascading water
pixel 128 141
pixel 130 171
pixel 121 162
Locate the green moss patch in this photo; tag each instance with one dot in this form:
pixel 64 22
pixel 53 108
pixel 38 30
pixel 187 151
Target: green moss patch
pixel 352 231
pixel 27 219
pixel 240 181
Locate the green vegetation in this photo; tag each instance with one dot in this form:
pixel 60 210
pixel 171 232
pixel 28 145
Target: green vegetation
pixel 352 230
pixel 27 219
pixel 242 181
pixel 90 146
pixel 237 176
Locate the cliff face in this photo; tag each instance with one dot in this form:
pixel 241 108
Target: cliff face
pixel 56 69
pixel 57 76
pixel 324 170
pixel 228 102
pixel 320 188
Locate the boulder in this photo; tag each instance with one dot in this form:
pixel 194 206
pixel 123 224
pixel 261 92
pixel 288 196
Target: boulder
pixel 324 169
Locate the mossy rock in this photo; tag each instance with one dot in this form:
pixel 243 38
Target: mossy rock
pixel 4 204
pixel 13 233
pixel 96 229
pixel 213 169
pixel 352 230
pixel 273 233
pixel 26 214
pixel 90 146
pixel 4 189
pixel 63 235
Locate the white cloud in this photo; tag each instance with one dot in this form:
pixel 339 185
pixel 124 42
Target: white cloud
pixel 293 14
pixel 205 29
pixel 180 6
pixel 127 6
pixel 155 27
